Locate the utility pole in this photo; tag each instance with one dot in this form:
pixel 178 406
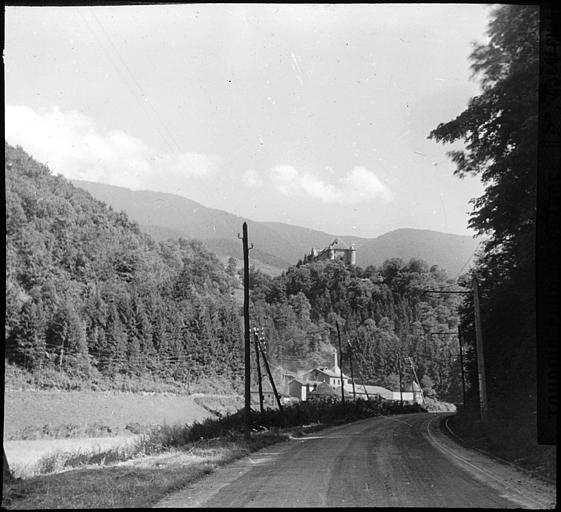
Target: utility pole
pixel 480 355
pixel 361 377
pixel 270 374
pixel 258 366
pixel 478 344
pixel 247 344
pixel 400 388
pixel 410 360
pixel 459 335
pixel 462 364
pixel 6 474
pixel 340 362
pixel 352 373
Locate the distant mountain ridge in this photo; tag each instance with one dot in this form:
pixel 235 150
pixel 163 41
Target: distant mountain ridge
pixel 276 245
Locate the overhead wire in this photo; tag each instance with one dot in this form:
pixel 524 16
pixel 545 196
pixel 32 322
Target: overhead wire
pixel 162 130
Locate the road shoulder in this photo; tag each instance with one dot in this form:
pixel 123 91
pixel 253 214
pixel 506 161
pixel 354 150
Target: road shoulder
pixel 512 482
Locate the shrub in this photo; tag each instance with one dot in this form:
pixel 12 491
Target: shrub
pixel 303 413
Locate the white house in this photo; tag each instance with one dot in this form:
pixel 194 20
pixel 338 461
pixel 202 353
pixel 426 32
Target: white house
pixel 331 376
pixel 313 385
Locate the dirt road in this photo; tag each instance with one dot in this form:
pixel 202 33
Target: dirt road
pixel 394 461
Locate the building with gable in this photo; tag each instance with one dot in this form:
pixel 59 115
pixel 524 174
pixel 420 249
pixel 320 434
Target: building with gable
pixel 335 250
pixel 331 376
pixel 324 383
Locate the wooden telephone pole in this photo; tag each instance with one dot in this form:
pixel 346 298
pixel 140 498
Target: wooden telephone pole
pixel 483 410
pixel 359 373
pixel 400 386
pixel 480 356
pixel 6 474
pixel 340 363
pixel 412 364
pixel 258 365
pixel 270 374
pixel 247 344
pixel 462 364
pixel 352 373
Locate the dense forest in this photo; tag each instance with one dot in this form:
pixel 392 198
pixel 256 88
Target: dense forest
pixel 499 132
pixel 88 294
pixel 386 314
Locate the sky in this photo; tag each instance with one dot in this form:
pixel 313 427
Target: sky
pixel 316 115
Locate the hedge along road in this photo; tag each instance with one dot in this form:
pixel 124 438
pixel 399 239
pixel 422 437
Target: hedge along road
pixel 388 461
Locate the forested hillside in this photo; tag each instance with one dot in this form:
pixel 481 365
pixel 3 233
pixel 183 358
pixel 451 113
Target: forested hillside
pixel 89 295
pixel 384 312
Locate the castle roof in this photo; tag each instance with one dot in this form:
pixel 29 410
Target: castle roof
pixel 338 244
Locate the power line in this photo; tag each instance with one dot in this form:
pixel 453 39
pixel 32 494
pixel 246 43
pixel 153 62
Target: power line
pixel 166 134
pixel 467 261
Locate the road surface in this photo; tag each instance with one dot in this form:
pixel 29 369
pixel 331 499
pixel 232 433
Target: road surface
pixel 388 461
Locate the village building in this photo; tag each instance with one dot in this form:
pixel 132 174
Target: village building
pixel 298 389
pixel 324 383
pixel 331 376
pixel 324 392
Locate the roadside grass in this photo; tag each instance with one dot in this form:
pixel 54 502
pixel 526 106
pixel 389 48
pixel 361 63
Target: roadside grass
pixel 219 405
pixel 137 483
pixel 513 439
pixel 170 457
pixel 63 460
pixel 73 431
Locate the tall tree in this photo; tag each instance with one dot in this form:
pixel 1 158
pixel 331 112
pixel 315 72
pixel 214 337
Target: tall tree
pixel 499 130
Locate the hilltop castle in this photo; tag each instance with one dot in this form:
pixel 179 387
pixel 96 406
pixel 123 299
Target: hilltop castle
pixel 335 250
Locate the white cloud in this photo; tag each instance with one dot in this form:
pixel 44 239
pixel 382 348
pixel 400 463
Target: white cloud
pixel 358 185
pixel 252 179
pixel 71 144
pixel 364 184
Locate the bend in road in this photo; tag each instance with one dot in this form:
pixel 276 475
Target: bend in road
pixel 387 461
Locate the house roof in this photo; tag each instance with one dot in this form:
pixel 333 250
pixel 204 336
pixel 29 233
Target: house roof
pixel 306 382
pixel 329 372
pixel 295 380
pixel 371 390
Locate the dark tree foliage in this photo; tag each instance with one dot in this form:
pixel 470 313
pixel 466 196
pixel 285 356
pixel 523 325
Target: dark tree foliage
pixel 87 292
pixel 499 130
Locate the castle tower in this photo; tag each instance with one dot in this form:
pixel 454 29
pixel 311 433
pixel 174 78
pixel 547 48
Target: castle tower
pixel 352 255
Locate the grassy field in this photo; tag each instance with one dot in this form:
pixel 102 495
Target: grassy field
pixel 64 414
pixel 38 424
pixel 135 483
